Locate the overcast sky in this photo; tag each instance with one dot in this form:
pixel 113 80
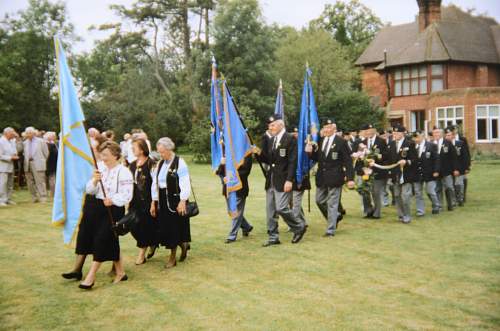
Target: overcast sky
pixel 297 13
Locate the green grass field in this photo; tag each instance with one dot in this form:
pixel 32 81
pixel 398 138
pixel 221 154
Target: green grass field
pixel 439 273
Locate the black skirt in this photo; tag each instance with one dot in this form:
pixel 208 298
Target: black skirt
pixel 145 230
pixel 95 234
pixel 173 229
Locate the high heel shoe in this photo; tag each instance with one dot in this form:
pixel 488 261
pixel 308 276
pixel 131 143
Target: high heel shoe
pixel 152 251
pixel 143 261
pixel 72 275
pixel 124 278
pixel 86 287
pixel 170 265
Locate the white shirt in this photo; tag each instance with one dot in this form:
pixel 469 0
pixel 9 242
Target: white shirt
pixel 184 180
pixel 421 148
pixel 327 143
pixel 278 137
pixel 371 142
pixel 439 143
pixel 399 144
pixel 118 184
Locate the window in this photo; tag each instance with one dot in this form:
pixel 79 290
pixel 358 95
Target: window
pixel 487 122
pixel 417 120
pixel 410 80
pixel 437 74
pixel 447 116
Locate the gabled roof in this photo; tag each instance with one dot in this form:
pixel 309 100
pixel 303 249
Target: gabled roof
pixel 458 36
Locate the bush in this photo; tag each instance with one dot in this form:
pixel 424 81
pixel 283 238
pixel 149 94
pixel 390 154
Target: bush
pixel 199 141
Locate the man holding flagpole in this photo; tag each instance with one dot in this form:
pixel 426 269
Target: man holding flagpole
pixel 281 156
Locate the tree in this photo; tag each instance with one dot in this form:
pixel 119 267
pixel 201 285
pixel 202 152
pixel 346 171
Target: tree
pixel 328 60
pixel 27 70
pixel 351 23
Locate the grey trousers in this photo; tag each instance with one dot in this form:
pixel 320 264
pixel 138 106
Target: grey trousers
pixel 327 200
pixel 446 184
pixel 430 188
pixel 297 209
pixel 460 188
pixel 239 221
pixel 278 203
pixel 37 184
pixel 6 186
pixel 403 194
pixel 376 197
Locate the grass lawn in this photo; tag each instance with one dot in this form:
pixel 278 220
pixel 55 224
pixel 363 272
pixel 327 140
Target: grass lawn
pixel 440 272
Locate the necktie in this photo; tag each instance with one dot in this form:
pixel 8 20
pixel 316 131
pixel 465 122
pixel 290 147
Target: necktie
pixel 275 143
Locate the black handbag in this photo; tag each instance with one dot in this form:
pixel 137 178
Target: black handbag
pixel 192 206
pixel 126 223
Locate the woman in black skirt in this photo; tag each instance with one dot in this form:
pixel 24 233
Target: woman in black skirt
pixel 144 231
pixel 98 236
pixel 170 191
pixel 84 237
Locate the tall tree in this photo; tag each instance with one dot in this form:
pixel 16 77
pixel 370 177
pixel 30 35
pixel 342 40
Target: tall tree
pixel 351 23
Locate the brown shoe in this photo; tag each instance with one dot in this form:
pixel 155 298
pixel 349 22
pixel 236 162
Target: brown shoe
pixel 170 264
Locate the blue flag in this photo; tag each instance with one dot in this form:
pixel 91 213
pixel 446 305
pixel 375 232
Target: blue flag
pixel 308 128
pixel 279 108
pixel 236 146
pixel 215 119
pixel 75 164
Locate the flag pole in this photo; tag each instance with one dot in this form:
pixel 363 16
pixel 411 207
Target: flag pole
pixel 246 130
pixel 308 138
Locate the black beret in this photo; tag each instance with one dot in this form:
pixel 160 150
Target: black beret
pixel 327 121
pixel 448 130
pixel 367 126
pixel 399 128
pixel 273 118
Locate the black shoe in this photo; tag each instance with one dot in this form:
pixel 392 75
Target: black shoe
pixel 152 252
pixel 229 241
pixel 271 243
pixel 86 287
pixel 435 212
pixel 184 252
pixel 343 212
pixel 375 217
pixel 327 235
pixel 369 215
pixel 339 218
pixel 298 236
pixel 247 232
pixel 451 208
pixel 460 204
pixel 124 278
pixel 72 275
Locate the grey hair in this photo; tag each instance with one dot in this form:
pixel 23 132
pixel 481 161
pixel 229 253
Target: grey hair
pixel 280 122
pixel 30 129
pixel 166 142
pixel 7 130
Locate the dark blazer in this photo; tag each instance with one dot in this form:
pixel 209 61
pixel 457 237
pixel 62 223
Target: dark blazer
pixel 282 161
pixel 428 162
pixel 379 147
pixel 243 171
pixel 449 159
pixel 52 159
pixel 408 153
pixel 335 165
pixel 463 156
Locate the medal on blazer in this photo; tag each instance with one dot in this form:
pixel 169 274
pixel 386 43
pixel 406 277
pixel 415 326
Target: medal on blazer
pixel 335 155
pixel 404 152
pixel 282 152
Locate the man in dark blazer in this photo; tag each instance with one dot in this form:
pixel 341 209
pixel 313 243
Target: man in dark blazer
pixel 334 166
pixel 378 147
pixel 427 173
pixel 464 161
pixel 402 151
pixel 281 156
pixel 448 168
pixel 238 221
pixel 299 189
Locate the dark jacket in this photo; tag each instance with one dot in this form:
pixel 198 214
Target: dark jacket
pixel 282 161
pixel 52 159
pixel 243 172
pixel 380 148
pixel 334 165
pixel 463 156
pixel 428 163
pixel 448 157
pixel 406 152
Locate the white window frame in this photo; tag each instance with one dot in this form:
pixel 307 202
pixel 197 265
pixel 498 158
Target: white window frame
pixel 452 119
pixel 488 119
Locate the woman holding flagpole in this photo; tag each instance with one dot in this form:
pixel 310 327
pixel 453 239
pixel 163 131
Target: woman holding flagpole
pixel 170 192
pixel 112 186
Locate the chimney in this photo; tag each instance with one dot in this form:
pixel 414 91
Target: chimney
pixel 429 11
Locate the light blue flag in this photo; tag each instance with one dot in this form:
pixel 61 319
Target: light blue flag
pixel 279 108
pixel 75 164
pixel 215 119
pixel 308 128
pixel 236 146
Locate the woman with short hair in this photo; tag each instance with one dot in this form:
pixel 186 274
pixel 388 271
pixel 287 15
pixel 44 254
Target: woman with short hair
pixel 170 192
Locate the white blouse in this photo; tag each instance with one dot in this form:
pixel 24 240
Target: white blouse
pixel 118 184
pixel 184 180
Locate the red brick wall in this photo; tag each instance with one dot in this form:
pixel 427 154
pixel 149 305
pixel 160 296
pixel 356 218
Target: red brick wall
pixel 493 75
pixel 373 83
pixel 461 75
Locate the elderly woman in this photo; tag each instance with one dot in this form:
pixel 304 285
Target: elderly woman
pixel 170 191
pixel 101 240
pixel 145 230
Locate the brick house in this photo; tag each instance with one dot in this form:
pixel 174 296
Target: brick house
pixel 441 69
